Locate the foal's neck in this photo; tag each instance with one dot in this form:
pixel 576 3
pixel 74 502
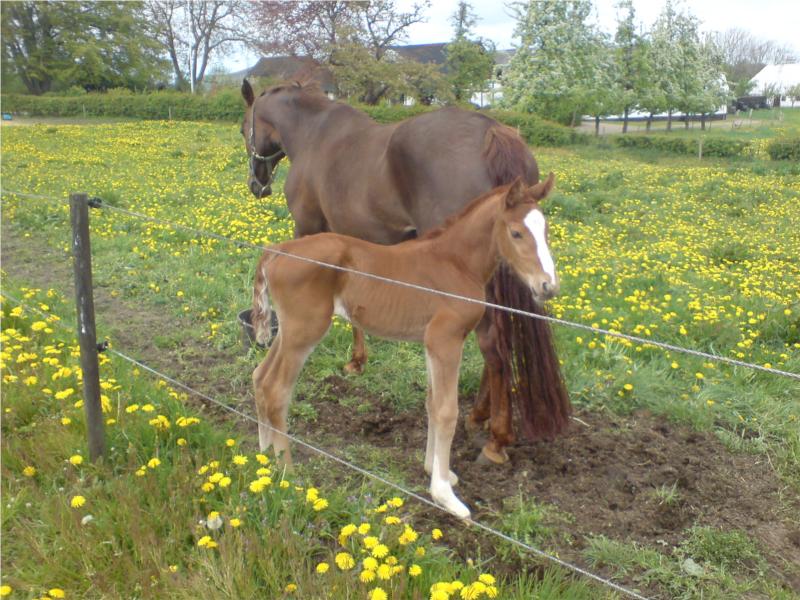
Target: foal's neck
pixel 471 237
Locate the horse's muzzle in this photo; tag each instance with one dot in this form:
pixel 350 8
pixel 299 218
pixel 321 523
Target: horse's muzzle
pixel 258 190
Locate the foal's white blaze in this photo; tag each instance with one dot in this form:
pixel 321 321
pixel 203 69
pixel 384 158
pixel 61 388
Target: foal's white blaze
pixel 534 221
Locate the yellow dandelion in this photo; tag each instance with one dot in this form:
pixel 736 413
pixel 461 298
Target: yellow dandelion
pixel 5 590
pixel 29 471
pixel 415 570
pixel 377 594
pixel 153 463
pixel 366 576
pixel 384 572
pixel 290 588
pixel 230 442
pixel 380 551
pixel 320 504
pixel 56 593
pixel 235 522
pixel 76 459
pixel 370 564
pixel 240 460
pixel 345 561
pixel 436 534
pixel 322 568
pixel 77 501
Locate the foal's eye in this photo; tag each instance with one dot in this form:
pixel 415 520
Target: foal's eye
pixel 516 234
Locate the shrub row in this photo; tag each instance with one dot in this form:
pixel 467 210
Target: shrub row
pixel 719 147
pixel 222 105
pixel 784 149
pixel 226 105
pixel 538 132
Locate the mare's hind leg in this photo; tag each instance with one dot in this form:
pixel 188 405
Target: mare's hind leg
pixel 359 357
pixel 493 398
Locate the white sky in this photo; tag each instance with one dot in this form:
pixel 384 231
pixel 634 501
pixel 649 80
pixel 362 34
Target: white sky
pixel 777 20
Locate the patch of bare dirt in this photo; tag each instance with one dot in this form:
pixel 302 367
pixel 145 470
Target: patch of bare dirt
pixel 603 473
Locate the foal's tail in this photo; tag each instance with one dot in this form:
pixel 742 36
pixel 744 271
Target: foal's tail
pixel 261 316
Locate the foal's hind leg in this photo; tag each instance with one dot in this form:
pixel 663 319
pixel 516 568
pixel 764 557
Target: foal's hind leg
pixel 275 378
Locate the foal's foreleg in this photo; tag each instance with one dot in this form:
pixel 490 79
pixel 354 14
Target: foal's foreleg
pixel 443 357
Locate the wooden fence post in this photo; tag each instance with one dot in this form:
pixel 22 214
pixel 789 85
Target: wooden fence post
pixel 84 304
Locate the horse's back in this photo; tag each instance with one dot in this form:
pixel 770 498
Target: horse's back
pixel 443 159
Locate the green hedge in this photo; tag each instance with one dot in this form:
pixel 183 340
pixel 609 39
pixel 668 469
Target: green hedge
pixel 718 147
pixel 226 105
pixel 222 105
pixel 784 149
pixel 538 132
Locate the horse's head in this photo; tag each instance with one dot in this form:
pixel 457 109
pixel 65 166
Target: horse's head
pixel 261 140
pixel 522 237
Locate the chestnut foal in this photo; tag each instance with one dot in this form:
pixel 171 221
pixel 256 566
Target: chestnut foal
pixel 460 258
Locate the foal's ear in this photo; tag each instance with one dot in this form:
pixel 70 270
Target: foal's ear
pixel 542 189
pixel 247 92
pixel 516 193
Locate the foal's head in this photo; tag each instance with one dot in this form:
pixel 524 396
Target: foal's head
pixel 521 233
pixel 261 140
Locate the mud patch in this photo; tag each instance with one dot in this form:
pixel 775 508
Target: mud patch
pixel 605 473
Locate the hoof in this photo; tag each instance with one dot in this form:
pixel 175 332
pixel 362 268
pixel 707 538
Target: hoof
pixel 354 367
pixel 491 457
pixel 452 505
pixel 476 432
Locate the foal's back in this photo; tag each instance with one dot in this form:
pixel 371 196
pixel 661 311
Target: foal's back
pixel 381 308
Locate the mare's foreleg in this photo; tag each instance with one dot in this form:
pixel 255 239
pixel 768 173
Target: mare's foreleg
pixel 443 358
pixel 359 357
pixel 494 400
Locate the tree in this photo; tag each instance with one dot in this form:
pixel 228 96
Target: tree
pixel 468 63
pixel 353 38
pixel 56 45
pixel 305 28
pixel 665 62
pixel 602 93
pixel 633 72
pixel 319 29
pixel 193 31
pixel 548 73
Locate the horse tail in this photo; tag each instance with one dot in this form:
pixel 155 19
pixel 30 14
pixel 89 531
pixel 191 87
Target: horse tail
pixel 525 345
pixel 507 156
pixel 261 315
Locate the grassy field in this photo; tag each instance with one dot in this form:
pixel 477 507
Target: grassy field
pixel 699 254
pixel 761 124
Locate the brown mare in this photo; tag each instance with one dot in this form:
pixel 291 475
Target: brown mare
pixel 390 183
pixel 505 224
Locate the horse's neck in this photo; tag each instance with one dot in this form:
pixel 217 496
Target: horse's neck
pixel 471 238
pixel 301 129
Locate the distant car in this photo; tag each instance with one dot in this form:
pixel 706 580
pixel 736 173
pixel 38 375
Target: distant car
pixel 748 102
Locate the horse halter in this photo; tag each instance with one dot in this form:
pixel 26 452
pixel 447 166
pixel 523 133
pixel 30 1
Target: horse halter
pixel 255 156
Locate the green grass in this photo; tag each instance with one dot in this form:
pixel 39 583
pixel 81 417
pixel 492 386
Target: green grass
pixel 699 254
pixel 144 527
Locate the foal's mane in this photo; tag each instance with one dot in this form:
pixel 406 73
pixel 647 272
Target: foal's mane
pixel 437 231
